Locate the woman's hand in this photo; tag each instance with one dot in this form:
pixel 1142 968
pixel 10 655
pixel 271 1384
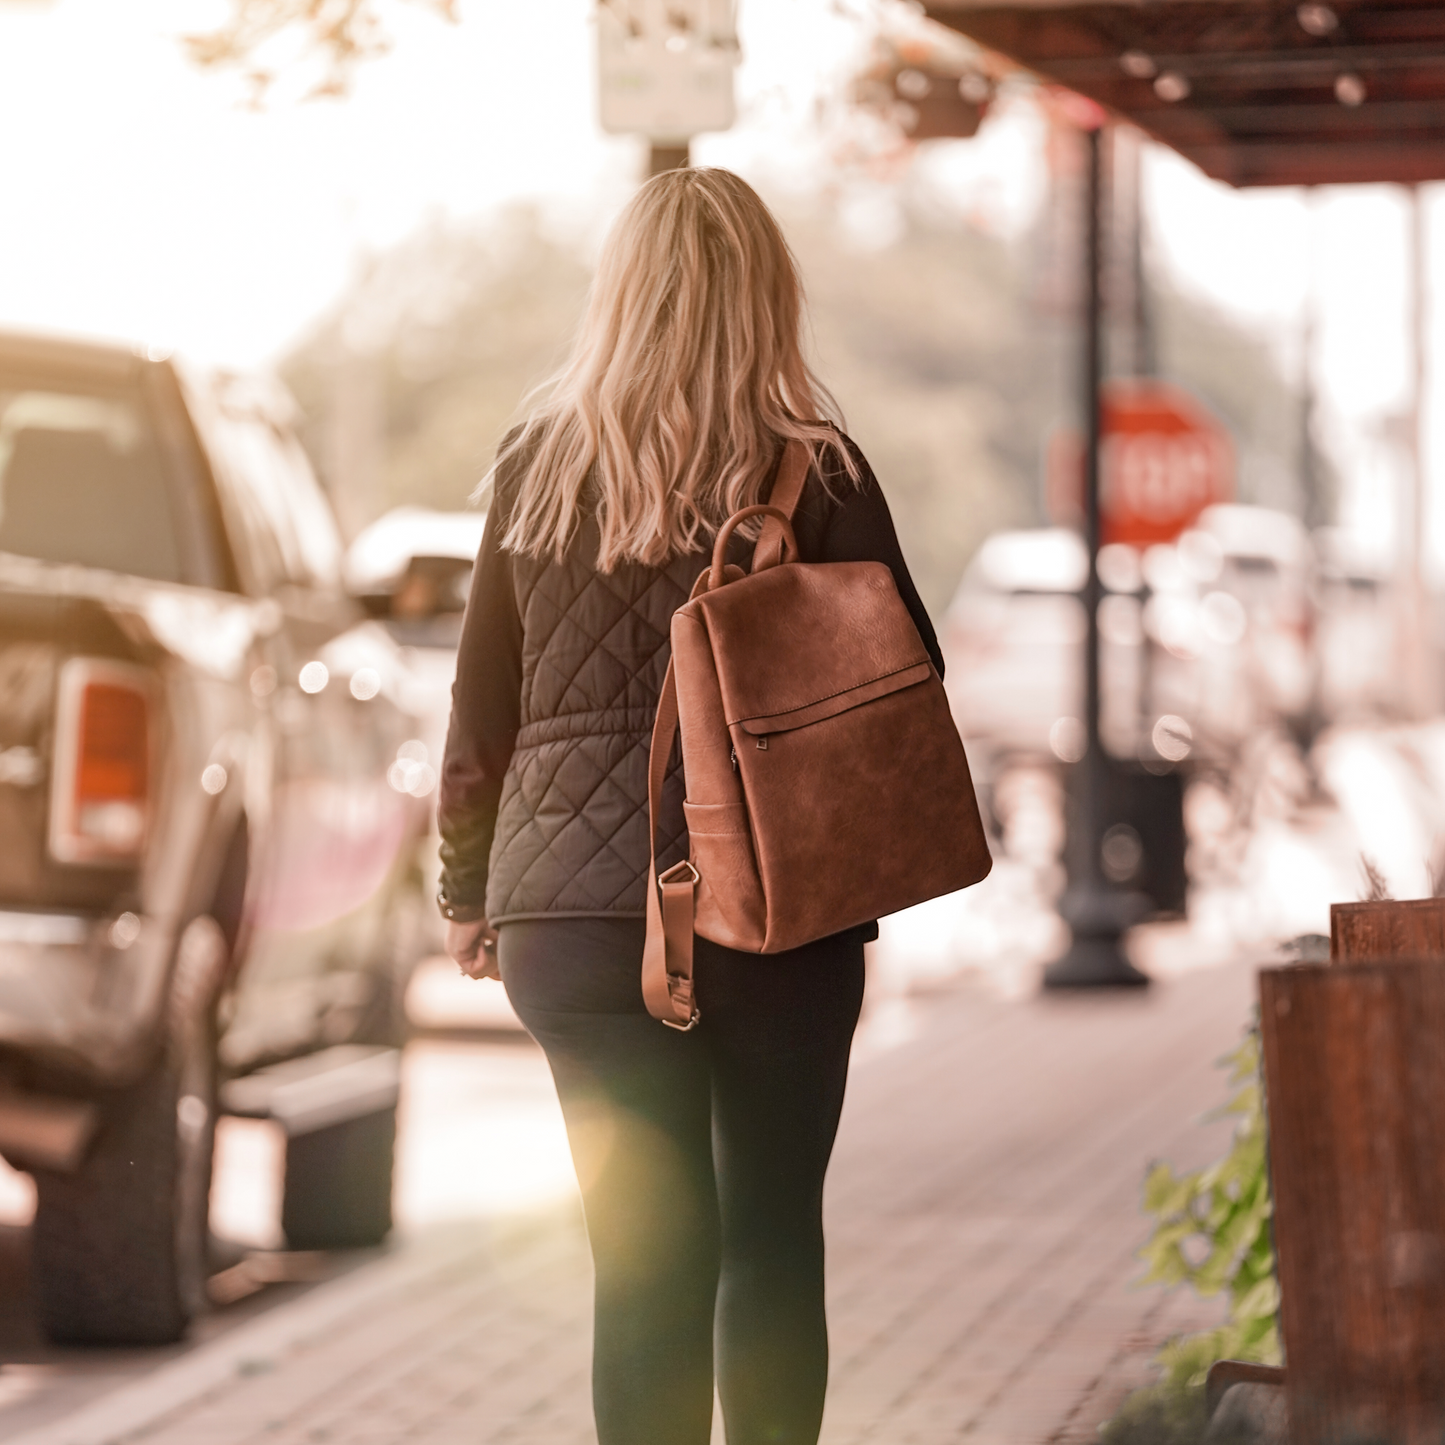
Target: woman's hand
pixel 473 948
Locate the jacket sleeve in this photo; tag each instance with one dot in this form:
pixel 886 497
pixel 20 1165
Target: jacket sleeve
pixel 486 712
pixel 860 529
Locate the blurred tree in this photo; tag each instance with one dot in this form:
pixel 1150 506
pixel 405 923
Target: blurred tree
pixel 1239 376
pixel 329 36
pixel 430 352
pixel 949 376
pixel 946 383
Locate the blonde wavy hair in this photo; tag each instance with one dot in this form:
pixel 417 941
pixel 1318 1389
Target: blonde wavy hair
pixel 686 378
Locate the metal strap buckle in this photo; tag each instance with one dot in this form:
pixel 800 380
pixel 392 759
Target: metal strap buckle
pixel 683 872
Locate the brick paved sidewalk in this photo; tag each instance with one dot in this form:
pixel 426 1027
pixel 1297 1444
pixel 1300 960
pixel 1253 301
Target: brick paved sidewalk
pixel 983 1216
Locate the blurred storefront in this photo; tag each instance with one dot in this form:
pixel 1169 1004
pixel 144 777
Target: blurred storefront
pixel 1255 95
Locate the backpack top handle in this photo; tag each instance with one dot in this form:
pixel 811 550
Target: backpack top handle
pixel 788 552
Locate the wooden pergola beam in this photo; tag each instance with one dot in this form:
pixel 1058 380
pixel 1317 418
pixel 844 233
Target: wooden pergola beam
pixel 1287 67
pixel 1253 97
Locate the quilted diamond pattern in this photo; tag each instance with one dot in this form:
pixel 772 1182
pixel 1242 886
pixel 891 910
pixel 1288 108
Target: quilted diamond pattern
pixel 572 829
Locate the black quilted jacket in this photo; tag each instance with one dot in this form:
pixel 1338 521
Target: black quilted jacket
pixel 544 785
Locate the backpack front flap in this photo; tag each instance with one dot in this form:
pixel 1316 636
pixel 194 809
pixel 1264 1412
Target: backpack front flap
pixel 847 795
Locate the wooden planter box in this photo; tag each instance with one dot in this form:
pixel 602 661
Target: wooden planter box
pixel 1354 1065
pixel 1389 930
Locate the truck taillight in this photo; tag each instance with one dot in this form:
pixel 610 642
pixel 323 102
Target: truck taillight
pixel 101 790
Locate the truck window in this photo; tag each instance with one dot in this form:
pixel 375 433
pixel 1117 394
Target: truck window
pixel 281 493
pixel 195 505
pixel 82 480
pixel 316 533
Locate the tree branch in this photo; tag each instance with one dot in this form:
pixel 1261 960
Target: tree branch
pixel 265 37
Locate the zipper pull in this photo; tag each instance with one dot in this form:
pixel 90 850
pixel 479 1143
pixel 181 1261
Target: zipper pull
pixel 735 759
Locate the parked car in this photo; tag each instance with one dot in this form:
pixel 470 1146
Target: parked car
pixel 1214 632
pixel 1356 631
pixel 412 567
pixel 211 797
pixel 1263 645
pixel 1013 639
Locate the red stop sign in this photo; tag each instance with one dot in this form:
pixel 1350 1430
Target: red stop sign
pixel 1164 459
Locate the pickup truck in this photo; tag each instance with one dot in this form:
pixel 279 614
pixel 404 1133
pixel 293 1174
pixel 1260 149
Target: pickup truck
pixel 213 799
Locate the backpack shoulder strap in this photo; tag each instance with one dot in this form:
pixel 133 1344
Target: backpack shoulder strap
pixel 667 954
pixel 792 477
pixel 667 987
pixel 671 898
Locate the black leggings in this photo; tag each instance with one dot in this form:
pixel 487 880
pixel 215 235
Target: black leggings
pixel 701 1159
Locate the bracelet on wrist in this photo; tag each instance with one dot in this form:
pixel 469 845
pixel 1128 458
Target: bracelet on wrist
pixel 460 912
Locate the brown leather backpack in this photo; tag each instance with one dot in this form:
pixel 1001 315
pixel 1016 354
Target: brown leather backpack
pixel 826 783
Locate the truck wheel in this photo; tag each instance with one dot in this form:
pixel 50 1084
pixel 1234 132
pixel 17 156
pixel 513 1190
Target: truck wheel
pixel 118 1248
pixel 338 1184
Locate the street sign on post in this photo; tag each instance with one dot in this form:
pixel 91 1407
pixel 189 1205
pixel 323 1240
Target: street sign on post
pixel 1164 458
pixel 665 68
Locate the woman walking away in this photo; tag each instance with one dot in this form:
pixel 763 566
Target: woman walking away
pixel 700 1154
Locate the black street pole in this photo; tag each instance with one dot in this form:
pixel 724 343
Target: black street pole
pixel 662 158
pixel 1093 379
pixel 1096 912
pixel 1146 351
pixel 1144 355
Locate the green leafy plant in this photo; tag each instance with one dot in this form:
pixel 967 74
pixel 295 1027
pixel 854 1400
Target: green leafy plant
pixel 1213 1233
pixel 1162 1414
